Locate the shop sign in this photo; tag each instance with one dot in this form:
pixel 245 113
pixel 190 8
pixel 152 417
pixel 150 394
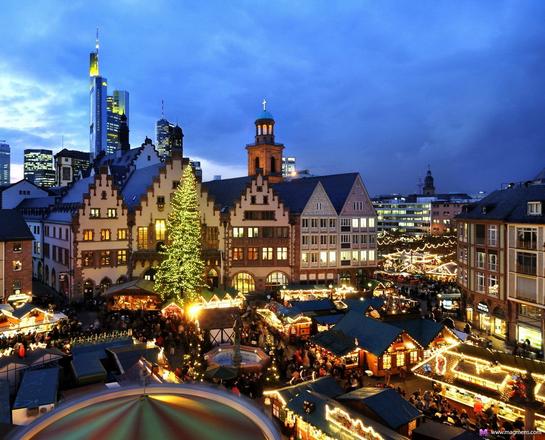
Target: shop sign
pixel 482 307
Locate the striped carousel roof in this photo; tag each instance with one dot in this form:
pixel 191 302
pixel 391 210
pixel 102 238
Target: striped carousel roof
pixel 158 411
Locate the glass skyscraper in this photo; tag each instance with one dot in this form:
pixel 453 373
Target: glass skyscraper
pixel 117 105
pixel 97 106
pixel 5 158
pixel 163 129
pixel 38 167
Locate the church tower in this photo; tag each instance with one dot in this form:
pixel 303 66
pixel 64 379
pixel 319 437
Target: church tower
pixel 429 188
pixel 265 156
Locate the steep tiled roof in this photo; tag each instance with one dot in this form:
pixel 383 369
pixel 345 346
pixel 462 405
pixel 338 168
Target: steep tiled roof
pixel 296 193
pixel 423 330
pixel 77 190
pixel 37 202
pixel 226 192
pixel 14 226
pixel 510 205
pixel 138 183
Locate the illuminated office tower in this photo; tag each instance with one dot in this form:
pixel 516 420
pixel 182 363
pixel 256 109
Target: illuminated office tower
pixel 116 105
pixel 38 167
pixel 5 156
pixel 97 106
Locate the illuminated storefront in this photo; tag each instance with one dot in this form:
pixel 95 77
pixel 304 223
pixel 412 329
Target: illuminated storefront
pixel 483 316
pixel 532 334
pixel 499 323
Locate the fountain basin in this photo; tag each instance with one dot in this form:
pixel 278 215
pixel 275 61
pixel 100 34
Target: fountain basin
pixel 253 359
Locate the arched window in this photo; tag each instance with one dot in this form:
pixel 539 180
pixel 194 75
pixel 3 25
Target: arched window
pixel 256 163
pixel 275 279
pixel 273 164
pixel 270 128
pixel 259 130
pixel 243 282
pixel 213 278
pixel 105 284
pixel 150 274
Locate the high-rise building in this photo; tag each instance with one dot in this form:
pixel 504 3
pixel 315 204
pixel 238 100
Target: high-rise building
pixel 98 92
pixel 162 135
pixel 5 156
pixel 116 105
pixel 70 165
pixel 288 166
pixel 38 167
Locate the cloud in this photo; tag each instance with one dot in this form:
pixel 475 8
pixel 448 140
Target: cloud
pixel 381 88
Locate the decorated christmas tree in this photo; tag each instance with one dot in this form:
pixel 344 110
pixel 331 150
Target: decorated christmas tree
pixel 272 376
pixel 180 274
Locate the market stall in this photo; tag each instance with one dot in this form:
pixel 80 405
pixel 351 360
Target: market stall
pixel 308 292
pixel 134 295
pixel 286 321
pixel 27 319
pixel 478 378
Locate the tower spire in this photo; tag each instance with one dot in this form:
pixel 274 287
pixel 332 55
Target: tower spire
pixel 96 43
pixel 264 103
pixel 162 109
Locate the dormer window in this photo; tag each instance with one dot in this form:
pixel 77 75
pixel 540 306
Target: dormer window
pixel 534 208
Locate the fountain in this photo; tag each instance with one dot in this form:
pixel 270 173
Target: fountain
pixel 242 357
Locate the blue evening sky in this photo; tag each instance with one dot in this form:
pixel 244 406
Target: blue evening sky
pixel 380 87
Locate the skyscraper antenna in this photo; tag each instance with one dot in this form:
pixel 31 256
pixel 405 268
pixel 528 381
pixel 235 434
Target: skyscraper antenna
pixel 96 44
pixel 162 109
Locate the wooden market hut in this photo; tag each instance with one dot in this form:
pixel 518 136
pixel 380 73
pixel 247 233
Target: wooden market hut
pixel 220 299
pixel 309 411
pixel 137 294
pixel 287 321
pixel 361 341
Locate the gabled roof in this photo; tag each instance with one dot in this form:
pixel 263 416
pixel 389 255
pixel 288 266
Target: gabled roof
pixel 335 341
pixel 139 286
pixel 296 193
pixel 127 356
pixel 423 330
pixel 24 310
pixel 327 386
pixel 76 192
pixel 138 183
pixel 509 205
pixel 372 335
pixel 14 226
pixel 226 192
pixel 317 417
pixel 37 202
pixel 391 408
pixel 38 387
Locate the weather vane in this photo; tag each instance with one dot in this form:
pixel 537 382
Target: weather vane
pixel 264 104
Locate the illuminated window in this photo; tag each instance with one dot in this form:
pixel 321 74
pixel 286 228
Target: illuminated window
pixel 400 359
pixel 238 254
pixel 105 235
pixel 267 253
pixel 121 256
pixel 332 256
pixel 323 257
pixel 105 258
pixel 253 232
pixel 18 247
pixel 363 222
pixel 122 234
pixel 17 265
pixel 282 253
pixel 371 222
pixel 238 232
pixel 243 282
pixel 94 213
pixel 276 279
pixel 160 229
pixel 355 223
pixel 252 253
pixel 413 356
pixel 386 362
pixel 88 235
pixel 142 237
pixel 304 257
pixel 112 213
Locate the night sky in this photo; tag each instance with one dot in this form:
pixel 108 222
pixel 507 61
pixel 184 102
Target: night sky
pixel 383 88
